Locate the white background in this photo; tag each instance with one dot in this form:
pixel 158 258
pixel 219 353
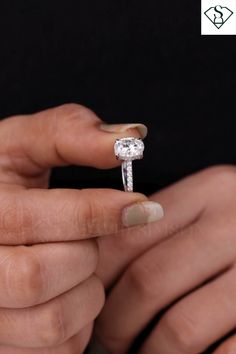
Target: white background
pixel 208 28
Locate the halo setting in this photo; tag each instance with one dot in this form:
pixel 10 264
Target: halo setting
pixel 129 148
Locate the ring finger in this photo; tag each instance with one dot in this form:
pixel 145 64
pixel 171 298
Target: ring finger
pixel 197 321
pixel 159 277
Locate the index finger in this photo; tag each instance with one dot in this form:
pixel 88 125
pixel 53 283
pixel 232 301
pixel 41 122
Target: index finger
pixel 36 215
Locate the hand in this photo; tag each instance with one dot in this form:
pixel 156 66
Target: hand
pixel 50 294
pixel 184 266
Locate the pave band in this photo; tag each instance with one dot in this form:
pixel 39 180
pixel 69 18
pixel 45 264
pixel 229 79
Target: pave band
pixel 127 175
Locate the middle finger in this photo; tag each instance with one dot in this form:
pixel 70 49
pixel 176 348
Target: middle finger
pixel 35 274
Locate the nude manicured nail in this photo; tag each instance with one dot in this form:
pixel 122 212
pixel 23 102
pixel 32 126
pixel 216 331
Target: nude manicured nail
pixel 120 128
pixel 141 213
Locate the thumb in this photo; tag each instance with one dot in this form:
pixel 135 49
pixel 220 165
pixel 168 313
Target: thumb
pixel 69 134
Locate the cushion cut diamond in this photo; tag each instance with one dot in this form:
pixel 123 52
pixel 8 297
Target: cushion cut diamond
pixel 129 148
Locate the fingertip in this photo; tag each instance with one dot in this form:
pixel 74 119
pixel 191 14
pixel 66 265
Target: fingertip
pixel 142 213
pixel 106 136
pixel 138 130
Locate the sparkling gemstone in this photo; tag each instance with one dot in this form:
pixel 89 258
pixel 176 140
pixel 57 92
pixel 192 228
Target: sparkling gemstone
pixel 129 148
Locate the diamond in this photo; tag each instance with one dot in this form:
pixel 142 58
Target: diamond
pixel 129 148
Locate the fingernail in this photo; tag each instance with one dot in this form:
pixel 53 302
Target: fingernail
pixel 120 128
pixel 141 213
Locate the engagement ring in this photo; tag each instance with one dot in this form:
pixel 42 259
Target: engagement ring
pixel 127 150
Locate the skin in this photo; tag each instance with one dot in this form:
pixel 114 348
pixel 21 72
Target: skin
pixel 184 265
pixel 50 293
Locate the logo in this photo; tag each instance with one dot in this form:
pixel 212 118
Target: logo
pixel 218 15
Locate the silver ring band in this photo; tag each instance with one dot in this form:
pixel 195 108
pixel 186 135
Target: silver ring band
pixel 127 175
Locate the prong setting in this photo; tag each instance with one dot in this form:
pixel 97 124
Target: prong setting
pixel 129 148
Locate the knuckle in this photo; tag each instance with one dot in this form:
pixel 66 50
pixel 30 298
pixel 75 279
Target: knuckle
pixel 64 119
pixel 24 277
pixel 16 219
pixel 51 328
pixel 181 331
pixel 68 109
pixel 67 113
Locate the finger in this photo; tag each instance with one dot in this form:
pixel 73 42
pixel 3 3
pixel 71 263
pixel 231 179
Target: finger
pixel 227 347
pixel 75 345
pixel 183 202
pixel 69 134
pixel 36 215
pixel 54 322
pixel 36 274
pixel 196 321
pixel 159 277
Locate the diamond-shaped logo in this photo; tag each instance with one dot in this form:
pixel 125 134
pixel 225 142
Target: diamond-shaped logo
pixel 218 15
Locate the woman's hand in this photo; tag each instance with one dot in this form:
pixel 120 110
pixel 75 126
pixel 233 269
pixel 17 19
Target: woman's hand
pixel 184 265
pixel 49 293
